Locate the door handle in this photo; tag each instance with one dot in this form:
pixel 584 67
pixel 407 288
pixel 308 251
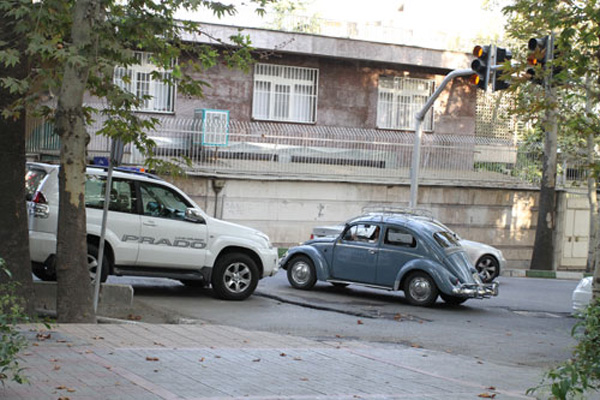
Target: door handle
pixel 372 251
pixel 149 223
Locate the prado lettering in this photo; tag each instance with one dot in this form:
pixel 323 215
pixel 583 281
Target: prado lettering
pixel 183 243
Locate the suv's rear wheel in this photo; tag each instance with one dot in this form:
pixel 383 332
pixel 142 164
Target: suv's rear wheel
pixel 234 277
pixel 43 271
pixel 420 289
pixel 92 257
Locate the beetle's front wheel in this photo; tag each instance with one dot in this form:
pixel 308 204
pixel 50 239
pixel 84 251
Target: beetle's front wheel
pixel 301 273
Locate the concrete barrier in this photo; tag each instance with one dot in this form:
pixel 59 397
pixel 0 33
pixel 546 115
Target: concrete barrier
pixel 113 298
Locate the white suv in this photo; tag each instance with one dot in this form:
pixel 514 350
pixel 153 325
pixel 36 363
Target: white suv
pixel 153 229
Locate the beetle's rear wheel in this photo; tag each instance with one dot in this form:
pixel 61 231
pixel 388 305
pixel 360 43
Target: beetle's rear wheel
pixel 420 289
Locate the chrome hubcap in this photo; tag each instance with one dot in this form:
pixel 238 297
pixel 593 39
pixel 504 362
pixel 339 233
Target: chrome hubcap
pixel 301 272
pixel 237 277
pixel 420 289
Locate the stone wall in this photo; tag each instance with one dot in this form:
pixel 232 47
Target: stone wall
pixel 288 210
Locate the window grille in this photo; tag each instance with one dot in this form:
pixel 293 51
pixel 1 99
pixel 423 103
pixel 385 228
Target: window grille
pixel 283 93
pixel 138 79
pixel 400 99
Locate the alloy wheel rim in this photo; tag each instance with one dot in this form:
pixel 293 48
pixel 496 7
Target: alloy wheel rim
pixel 92 266
pixel 237 277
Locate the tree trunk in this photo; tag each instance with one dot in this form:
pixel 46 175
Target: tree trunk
pixel 592 258
pixel 14 235
pixel 543 249
pixel 74 294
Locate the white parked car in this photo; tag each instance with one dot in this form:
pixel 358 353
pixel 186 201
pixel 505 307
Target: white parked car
pixel 488 260
pixel 582 295
pixel 154 229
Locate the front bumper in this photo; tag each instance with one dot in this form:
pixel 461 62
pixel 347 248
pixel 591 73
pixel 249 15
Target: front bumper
pixel 269 259
pixel 476 290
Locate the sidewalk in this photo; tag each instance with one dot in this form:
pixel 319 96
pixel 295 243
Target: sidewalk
pixel 202 361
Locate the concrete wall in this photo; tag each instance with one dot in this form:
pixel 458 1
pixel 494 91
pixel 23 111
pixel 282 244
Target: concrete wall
pixel 288 210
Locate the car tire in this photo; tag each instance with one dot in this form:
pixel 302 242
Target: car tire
pixel 420 289
pixel 92 256
pixel 301 273
pixel 234 277
pixel 488 268
pixel 453 300
pixel 43 272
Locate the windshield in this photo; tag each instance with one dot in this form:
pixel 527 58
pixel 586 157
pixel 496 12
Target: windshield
pixel 446 239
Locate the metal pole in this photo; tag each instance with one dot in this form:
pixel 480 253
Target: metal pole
pixel 419 117
pixel 103 228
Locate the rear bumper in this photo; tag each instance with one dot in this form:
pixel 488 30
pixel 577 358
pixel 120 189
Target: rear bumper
pixel 478 291
pixel 41 246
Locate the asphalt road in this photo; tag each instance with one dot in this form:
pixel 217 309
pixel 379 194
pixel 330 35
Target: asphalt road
pixel 529 323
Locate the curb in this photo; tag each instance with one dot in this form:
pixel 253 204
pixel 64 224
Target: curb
pixel 535 273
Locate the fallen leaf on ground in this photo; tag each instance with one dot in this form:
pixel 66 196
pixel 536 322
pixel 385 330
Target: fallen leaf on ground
pixel 108 367
pixel 54 360
pixel 61 387
pixel 56 367
pixel 159 344
pixel 283 354
pixel 491 388
pixel 132 317
pixel 359 322
pixel 297 358
pixel 304 379
pixel 201 359
pixel 43 336
pixel 416 346
pixel 398 317
pixel 256 360
pixel 339 336
pixel 151 358
pixel 217 356
pixel 71 390
pixel 64 398
pixel 487 395
pixel 98 338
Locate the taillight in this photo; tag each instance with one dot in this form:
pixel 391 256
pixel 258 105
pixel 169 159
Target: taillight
pixel 312 236
pixel 39 198
pixel 39 205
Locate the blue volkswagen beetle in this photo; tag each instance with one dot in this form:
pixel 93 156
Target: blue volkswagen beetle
pixel 392 252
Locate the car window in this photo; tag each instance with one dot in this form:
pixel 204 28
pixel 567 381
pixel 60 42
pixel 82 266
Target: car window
pixel 161 201
pixel 33 177
pixel 364 233
pixel 122 194
pixel 399 237
pixel 446 239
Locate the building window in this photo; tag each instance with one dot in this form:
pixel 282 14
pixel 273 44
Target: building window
pixel 140 81
pixel 400 99
pixel 283 93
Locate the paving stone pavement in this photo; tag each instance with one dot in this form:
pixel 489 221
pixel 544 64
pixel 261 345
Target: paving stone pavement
pixel 204 361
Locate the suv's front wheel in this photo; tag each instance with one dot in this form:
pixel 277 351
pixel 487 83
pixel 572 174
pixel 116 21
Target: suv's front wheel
pixel 234 277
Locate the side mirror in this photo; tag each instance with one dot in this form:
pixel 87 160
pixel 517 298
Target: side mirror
pixel 193 215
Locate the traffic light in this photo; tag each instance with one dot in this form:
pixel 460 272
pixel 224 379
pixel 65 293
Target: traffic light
pixel 538 56
pixel 500 81
pixel 481 67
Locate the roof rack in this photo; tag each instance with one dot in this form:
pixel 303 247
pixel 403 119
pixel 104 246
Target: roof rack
pixel 378 209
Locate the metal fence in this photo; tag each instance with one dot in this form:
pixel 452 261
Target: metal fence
pixel 319 152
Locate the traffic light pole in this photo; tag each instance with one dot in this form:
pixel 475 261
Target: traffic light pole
pixel 419 117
